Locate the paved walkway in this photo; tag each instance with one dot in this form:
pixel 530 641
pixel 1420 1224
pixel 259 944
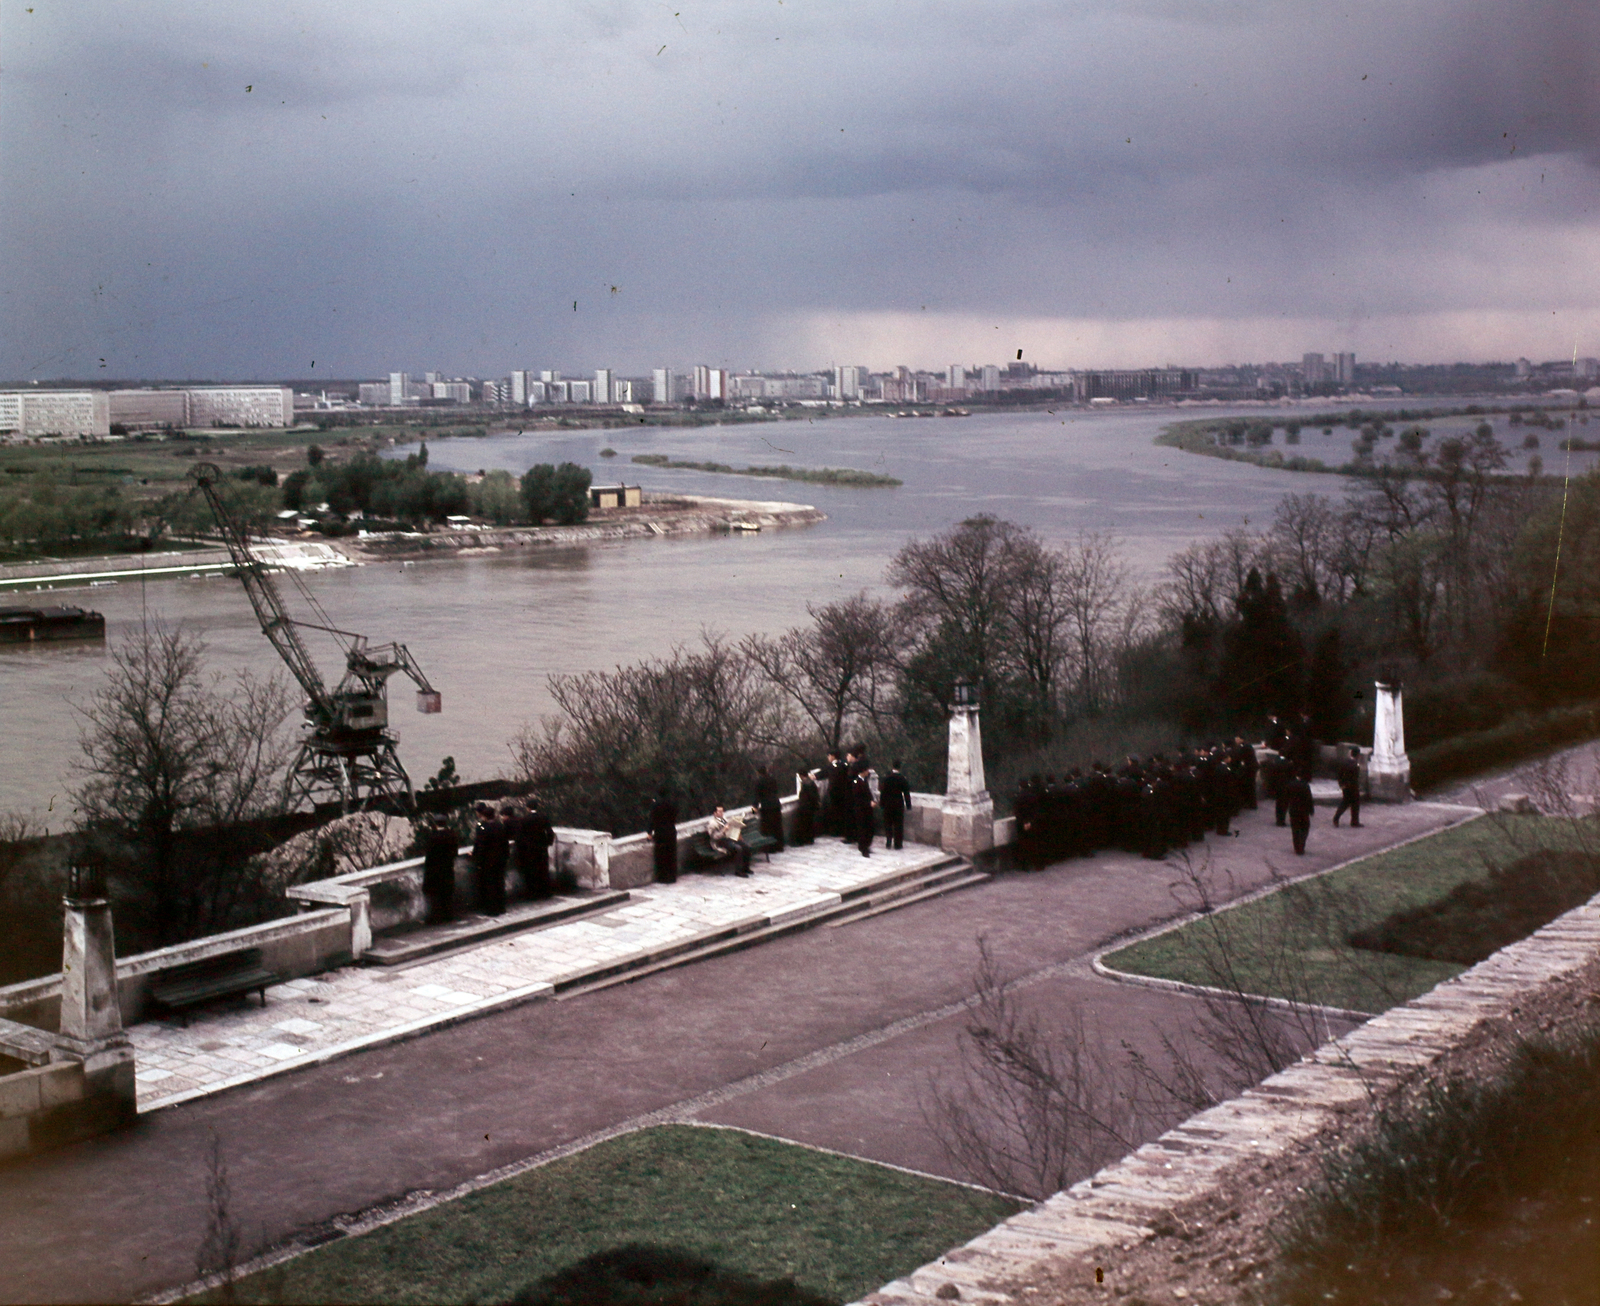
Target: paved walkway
pixel 828 1036
pixel 306 1021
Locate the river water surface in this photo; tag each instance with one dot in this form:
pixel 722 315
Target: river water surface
pixel 490 629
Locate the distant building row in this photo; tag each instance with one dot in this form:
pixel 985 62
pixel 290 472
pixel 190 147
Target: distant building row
pixel 39 414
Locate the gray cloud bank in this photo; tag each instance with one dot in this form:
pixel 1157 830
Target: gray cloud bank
pixel 215 189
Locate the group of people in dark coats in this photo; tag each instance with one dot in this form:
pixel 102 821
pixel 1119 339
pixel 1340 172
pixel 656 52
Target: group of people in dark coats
pixel 517 837
pixel 854 795
pixel 1147 805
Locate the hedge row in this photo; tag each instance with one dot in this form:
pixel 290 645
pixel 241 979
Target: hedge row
pixel 1525 735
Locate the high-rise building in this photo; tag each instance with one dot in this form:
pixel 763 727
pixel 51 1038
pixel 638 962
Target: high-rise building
pixel 1586 368
pixel 602 385
pixel 558 392
pixel 548 377
pixel 1346 367
pixel 519 387
pixel 399 386
pixel 709 382
pixel 991 376
pixel 847 382
pixel 33 413
pixel 580 392
pixel 456 392
pixel 1313 369
pixel 665 389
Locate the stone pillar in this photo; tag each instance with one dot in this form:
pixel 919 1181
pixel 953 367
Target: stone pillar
pixel 91 1011
pixel 1389 769
pixel 968 825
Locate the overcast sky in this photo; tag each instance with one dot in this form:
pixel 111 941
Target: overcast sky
pixel 253 190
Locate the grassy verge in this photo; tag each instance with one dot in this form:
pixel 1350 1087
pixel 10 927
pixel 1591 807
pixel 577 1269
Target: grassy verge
pixel 1512 741
pixel 760 1207
pixel 1481 1191
pixel 1293 944
pixel 815 475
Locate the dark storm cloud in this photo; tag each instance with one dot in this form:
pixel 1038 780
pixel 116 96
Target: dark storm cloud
pixel 222 189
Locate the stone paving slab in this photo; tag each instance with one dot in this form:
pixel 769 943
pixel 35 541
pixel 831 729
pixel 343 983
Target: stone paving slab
pixel 315 1019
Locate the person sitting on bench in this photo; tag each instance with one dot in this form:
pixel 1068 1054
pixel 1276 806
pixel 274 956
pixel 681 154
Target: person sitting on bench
pixel 724 835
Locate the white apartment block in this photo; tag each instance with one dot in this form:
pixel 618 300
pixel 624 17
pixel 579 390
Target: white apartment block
pixel 664 388
pixel 149 408
pixel 458 392
pixel 602 385
pixel 519 387
pixel 241 405
pixel 35 413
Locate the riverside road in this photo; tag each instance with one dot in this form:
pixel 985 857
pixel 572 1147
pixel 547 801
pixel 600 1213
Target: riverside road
pixel 122 1216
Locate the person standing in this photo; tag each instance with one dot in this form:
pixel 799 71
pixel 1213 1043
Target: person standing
pixel 768 806
pixel 805 812
pixel 864 803
pixel 1297 793
pixel 836 800
pixel 894 796
pixel 491 849
pixel 534 836
pixel 439 869
pixel 1348 774
pixel 664 837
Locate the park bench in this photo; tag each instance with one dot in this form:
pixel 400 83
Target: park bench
pixel 703 853
pixel 178 988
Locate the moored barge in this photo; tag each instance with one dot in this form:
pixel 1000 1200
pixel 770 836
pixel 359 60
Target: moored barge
pixel 41 625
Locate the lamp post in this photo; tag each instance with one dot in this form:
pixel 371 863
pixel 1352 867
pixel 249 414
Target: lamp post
pixel 968 825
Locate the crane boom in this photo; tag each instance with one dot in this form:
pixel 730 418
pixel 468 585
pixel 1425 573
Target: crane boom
pixel 276 624
pixel 348 753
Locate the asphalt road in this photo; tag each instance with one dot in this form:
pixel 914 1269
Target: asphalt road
pixel 122 1216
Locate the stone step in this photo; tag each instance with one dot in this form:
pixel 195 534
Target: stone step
pixel 897 889
pixel 405 946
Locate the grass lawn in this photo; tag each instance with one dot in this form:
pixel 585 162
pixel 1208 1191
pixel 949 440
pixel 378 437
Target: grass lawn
pixel 772 1210
pixel 1291 944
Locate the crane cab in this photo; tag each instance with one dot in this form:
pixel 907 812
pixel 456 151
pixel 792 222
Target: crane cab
pixel 363 712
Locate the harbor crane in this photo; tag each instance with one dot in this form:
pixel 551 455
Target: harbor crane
pixel 348 752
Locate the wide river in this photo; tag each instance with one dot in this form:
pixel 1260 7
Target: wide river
pixel 490 630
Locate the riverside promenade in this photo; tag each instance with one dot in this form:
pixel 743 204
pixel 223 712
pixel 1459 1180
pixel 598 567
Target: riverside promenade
pixel 829 1036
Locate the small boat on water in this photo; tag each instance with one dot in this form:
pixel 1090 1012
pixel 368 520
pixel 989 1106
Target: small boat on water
pixel 47 625
pixel 748 527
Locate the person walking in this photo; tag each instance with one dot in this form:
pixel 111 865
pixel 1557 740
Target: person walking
pixel 894 796
pixel 1297 793
pixel 664 837
pixel 1348 774
pixel 491 849
pixel 769 807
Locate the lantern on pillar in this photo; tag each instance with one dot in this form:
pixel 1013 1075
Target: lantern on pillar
pixel 965 694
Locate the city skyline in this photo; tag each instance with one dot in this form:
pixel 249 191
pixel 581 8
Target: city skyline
pixel 210 191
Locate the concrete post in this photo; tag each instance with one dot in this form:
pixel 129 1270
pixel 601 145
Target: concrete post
pixel 968 825
pixel 1389 769
pixel 91 1031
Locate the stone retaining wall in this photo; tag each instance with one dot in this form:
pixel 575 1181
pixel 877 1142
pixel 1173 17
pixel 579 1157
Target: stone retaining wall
pixel 1125 1201
pixel 51 1105
pixel 294 946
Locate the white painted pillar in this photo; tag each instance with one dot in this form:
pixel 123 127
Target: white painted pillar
pixel 1389 769
pixel 968 825
pixel 90 1028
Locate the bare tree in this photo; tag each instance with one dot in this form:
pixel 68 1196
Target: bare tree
pixel 959 585
pixel 1031 1111
pixel 1095 598
pixel 220 1248
pixel 701 720
pixel 837 672
pixel 163 750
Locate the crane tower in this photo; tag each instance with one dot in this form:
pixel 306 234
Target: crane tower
pixel 348 753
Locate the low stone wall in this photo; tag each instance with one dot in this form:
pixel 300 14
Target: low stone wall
pixel 50 1105
pixel 1125 1202
pixel 292 947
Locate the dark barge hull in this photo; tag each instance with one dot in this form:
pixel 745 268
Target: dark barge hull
pixel 48 625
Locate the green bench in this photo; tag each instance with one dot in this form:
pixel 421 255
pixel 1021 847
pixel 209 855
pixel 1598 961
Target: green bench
pixel 703 853
pixel 180 987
